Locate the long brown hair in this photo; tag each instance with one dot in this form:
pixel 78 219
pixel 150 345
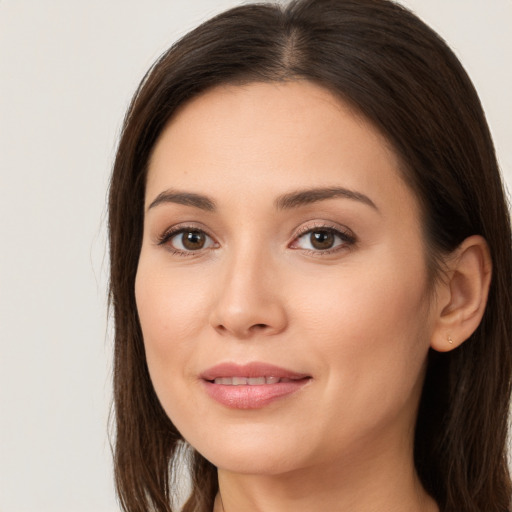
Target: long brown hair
pixel 400 74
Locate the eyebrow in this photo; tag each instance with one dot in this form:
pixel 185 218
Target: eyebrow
pixel 185 198
pixel 305 197
pixel 288 201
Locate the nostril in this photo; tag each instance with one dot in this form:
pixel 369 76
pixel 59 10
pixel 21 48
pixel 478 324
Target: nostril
pixel 259 327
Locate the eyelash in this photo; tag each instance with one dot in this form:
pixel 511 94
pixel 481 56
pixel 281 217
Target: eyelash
pixel 166 236
pixel 347 238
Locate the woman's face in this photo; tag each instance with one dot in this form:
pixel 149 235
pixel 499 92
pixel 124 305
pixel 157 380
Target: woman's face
pixel 282 286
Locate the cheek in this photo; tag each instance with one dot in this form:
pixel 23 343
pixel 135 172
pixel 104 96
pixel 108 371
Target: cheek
pixel 171 313
pixel 364 303
pixel 370 332
pixel 169 303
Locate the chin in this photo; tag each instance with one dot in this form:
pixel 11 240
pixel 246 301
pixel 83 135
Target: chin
pixel 251 464
pixel 251 454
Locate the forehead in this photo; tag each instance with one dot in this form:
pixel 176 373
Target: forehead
pixel 265 138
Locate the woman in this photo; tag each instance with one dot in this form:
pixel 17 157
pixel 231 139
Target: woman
pixel 310 270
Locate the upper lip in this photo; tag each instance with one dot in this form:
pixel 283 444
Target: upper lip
pixel 255 369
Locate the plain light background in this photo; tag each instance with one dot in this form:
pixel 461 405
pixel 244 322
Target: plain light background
pixel 68 69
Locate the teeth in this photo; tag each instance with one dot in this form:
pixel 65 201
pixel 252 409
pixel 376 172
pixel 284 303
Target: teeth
pixel 223 380
pixel 249 381
pixel 256 381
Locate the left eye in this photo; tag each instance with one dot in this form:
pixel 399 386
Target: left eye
pixel 190 240
pixel 321 239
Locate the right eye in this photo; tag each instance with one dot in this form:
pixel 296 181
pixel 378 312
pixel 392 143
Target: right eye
pixel 187 240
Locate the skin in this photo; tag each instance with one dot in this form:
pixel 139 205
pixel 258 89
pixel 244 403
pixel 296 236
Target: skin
pixel 358 319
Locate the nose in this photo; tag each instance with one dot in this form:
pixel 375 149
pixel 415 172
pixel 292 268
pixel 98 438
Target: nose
pixel 249 300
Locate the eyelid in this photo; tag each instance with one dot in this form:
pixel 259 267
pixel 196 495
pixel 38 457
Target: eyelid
pixel 165 237
pixel 344 233
pixel 346 236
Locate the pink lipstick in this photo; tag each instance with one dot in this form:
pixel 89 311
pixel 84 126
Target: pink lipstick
pixel 251 386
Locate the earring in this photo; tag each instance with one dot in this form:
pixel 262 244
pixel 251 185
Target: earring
pixel 450 341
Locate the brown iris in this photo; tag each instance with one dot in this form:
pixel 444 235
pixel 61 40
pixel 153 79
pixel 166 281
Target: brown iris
pixel 323 239
pixel 193 240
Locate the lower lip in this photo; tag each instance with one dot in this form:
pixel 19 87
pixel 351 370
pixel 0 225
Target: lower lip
pixel 252 397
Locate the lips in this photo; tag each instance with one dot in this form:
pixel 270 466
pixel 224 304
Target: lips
pixel 248 381
pixel 251 370
pixel 251 386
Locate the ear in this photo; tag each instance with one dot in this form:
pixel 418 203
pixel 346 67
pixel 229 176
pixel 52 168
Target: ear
pixel 462 294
